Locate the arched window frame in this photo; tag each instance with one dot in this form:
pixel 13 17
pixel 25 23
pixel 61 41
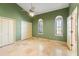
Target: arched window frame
pixel 59 25
pixel 40 26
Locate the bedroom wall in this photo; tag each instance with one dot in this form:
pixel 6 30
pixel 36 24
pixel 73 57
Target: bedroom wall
pixel 78 30
pixel 48 24
pixel 12 10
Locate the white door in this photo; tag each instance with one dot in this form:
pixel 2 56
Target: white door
pixel 74 30
pixel 69 32
pixel 29 30
pixel 12 31
pixel 23 30
pixel 7 31
pixel 26 30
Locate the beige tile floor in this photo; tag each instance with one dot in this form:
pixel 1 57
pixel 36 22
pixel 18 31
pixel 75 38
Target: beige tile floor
pixel 36 47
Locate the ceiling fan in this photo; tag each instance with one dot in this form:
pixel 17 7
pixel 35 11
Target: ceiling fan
pixel 32 10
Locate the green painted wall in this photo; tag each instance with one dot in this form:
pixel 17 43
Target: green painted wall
pixel 12 10
pixel 78 29
pixel 72 7
pixel 49 24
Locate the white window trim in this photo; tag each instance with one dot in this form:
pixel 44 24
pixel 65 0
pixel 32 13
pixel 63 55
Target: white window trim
pixel 56 26
pixel 42 31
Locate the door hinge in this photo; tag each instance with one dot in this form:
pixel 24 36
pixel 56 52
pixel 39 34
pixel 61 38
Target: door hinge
pixel 71 31
pixel 71 44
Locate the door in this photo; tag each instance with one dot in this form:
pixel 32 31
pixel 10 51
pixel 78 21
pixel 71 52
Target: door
pixel 7 31
pixel 69 32
pixel 29 30
pixel 26 30
pixel 12 30
pixel 74 30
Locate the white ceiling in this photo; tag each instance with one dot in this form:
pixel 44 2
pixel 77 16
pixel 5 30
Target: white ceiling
pixel 43 7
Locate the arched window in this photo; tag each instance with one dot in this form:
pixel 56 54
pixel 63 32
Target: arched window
pixel 59 26
pixel 40 26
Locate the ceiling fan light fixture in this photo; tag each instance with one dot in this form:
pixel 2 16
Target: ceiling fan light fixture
pixel 31 13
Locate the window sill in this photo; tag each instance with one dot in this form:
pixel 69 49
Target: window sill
pixel 40 33
pixel 59 35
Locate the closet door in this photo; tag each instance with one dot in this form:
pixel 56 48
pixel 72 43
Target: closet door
pixel 23 30
pixel 29 30
pixel 11 30
pixel 26 30
pixel 5 31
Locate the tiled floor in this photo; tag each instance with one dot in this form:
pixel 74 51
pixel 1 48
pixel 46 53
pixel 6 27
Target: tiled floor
pixel 36 47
